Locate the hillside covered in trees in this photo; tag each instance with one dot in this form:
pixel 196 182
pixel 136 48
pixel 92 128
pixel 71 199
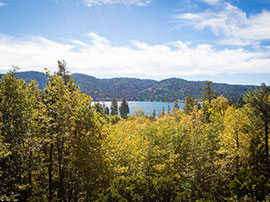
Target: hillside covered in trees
pixel 140 89
pixel 55 145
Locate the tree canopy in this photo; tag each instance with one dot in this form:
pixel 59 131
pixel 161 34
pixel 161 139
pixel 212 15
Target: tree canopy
pixel 56 145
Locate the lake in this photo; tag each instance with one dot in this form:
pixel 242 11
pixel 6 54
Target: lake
pixel 147 107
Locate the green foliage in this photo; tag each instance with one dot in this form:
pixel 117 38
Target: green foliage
pixel 259 103
pixel 63 72
pixel 114 107
pixel 124 109
pixel 175 106
pixel 190 103
pixel 208 92
pixel 17 136
pixel 55 145
pixel 154 114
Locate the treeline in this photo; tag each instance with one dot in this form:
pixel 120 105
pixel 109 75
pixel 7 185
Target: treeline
pixel 56 146
pixel 167 90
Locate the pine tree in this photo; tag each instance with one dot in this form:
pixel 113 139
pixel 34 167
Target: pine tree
pixel 208 92
pixel 154 114
pixel 189 104
pixel 17 137
pixel 114 107
pixel 175 106
pixel 259 101
pixel 240 103
pixel 169 110
pixel 162 113
pixel 63 72
pixel 124 109
pixel 107 111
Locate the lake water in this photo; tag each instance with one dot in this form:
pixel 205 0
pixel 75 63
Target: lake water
pixel 147 107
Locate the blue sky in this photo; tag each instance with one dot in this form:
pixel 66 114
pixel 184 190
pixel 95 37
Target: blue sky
pixel 219 40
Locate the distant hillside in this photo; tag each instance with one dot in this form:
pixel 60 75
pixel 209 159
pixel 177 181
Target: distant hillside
pixel 140 89
pixel 28 76
pixel 109 88
pixel 173 89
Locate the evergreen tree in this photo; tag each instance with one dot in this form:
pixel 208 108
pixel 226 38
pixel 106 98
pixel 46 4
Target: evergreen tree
pixel 154 114
pixel 107 111
pixel 124 109
pixel 98 108
pixel 175 106
pixel 240 103
pixel 169 110
pixel 208 92
pixel 114 107
pixel 63 72
pixel 189 104
pixel 231 100
pixel 17 137
pixel 259 101
pixel 162 113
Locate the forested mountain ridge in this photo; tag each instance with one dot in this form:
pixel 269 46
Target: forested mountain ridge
pixel 116 87
pixel 140 89
pixel 175 88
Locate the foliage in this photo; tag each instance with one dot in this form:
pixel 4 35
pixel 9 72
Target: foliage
pixel 55 145
pixel 114 107
pixel 124 109
pixel 190 103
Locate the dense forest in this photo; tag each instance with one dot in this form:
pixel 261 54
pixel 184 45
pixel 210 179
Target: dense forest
pixel 167 90
pixel 57 146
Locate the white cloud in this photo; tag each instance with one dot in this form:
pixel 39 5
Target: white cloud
pixel 231 24
pixel 2 4
pixel 125 2
pixel 102 59
pixel 211 2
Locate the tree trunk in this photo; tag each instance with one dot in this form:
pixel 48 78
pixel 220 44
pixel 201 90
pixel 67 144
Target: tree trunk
pixel 50 166
pixel 237 157
pixel 30 169
pixel 266 144
pixel 61 190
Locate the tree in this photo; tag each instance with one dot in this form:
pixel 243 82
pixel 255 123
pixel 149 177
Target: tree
pixel 154 114
pixel 189 104
pixel 208 95
pixel 240 103
pixel 107 111
pixel 63 72
pixel 175 106
pixel 169 110
pixel 124 109
pixel 114 107
pixel 235 140
pixel 208 92
pixel 231 100
pixel 259 101
pixel 17 137
pixel 162 113
pixel 139 113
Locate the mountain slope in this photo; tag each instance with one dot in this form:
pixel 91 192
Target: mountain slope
pixel 140 89
pixel 173 89
pixel 28 76
pixel 109 88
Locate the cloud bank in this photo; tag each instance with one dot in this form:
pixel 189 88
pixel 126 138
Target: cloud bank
pixel 231 24
pixel 102 59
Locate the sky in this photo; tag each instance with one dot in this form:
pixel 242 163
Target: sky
pixel 225 41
